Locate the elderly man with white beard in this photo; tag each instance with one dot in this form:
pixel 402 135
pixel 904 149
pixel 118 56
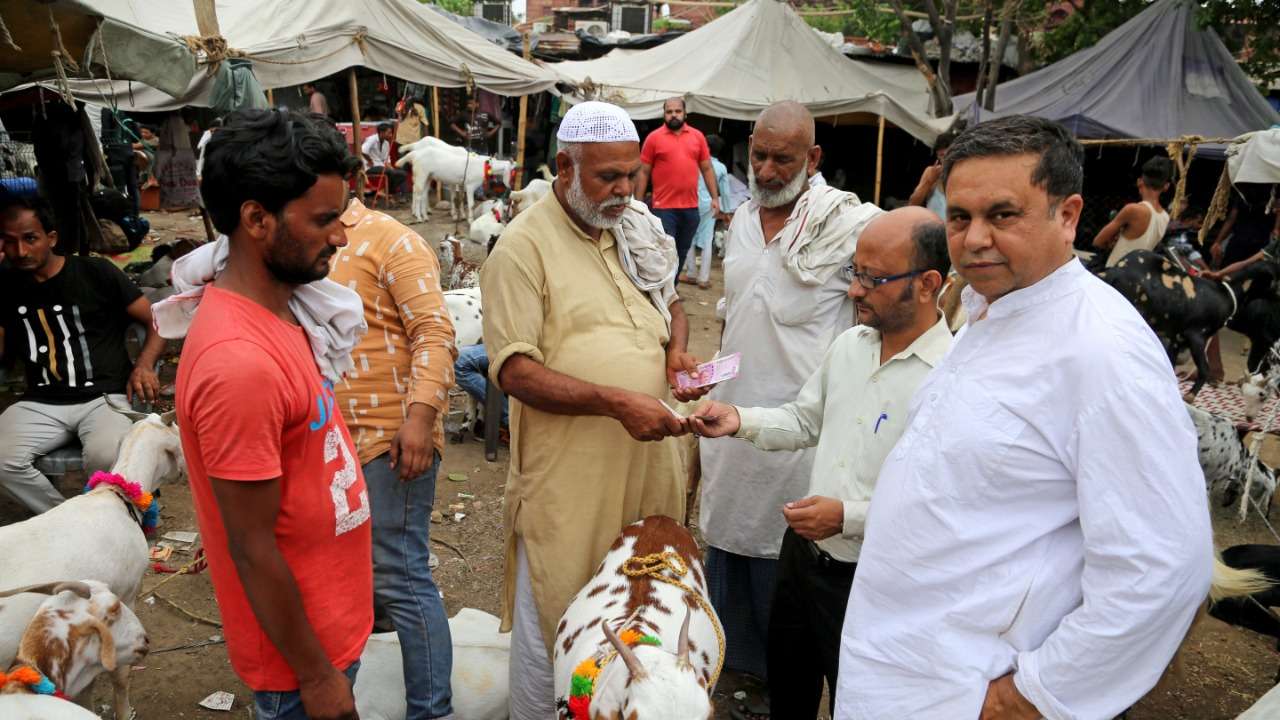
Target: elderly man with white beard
pixel 585 333
pixel 785 303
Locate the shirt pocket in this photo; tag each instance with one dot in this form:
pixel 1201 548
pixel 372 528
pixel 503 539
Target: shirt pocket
pixel 974 435
pixel 794 303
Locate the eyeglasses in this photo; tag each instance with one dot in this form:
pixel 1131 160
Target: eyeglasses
pixel 871 282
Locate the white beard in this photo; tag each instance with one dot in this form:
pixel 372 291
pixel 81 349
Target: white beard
pixel 587 211
pixel 784 195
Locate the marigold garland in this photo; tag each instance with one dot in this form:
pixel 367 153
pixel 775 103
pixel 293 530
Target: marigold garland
pixel 582 685
pixel 141 499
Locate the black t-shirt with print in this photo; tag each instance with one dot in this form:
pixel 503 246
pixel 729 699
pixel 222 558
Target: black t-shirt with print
pixel 476 128
pixel 69 330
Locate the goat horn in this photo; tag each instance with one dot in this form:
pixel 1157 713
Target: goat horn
pixel 169 417
pixel 682 653
pixel 52 588
pixel 628 656
pixel 124 410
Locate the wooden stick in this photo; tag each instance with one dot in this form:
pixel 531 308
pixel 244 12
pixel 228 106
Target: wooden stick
pixel 271 99
pixel 355 132
pixel 435 121
pixel 879 158
pixel 524 128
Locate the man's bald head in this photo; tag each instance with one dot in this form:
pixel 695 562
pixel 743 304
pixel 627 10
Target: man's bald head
pixel 787 119
pixel 909 238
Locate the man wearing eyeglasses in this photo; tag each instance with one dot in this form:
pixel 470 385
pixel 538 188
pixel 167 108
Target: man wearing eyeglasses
pixel 853 408
pixel 785 302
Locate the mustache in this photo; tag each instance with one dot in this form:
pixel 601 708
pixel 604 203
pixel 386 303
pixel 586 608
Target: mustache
pixel 615 202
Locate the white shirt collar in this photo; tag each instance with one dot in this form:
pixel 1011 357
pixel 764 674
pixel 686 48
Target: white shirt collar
pixel 1056 284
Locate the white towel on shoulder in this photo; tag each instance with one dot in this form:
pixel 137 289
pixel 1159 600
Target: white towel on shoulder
pixel 648 255
pixel 822 232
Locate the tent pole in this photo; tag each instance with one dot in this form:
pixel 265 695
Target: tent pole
pixel 435 123
pixel 524 128
pixel 271 98
pixel 879 158
pixel 355 132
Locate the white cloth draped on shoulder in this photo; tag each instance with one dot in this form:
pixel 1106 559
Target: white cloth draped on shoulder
pixel 822 232
pixel 331 315
pixel 648 255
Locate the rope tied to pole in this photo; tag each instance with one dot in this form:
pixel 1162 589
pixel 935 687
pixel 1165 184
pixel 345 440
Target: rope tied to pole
pixel 1174 149
pixel 61 60
pixel 359 40
pixel 666 567
pixel 214 48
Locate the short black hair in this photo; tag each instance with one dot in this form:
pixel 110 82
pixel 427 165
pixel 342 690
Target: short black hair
pixel 1060 171
pixel 31 203
pixel 715 144
pixel 270 156
pixel 930 239
pixel 1157 172
pixel 385 126
pixel 943 141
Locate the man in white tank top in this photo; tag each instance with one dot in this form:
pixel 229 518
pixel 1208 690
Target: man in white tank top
pixel 1140 225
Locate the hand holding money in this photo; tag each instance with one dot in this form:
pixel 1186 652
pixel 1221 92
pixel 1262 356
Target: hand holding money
pixel 696 382
pixel 679 363
pixel 715 419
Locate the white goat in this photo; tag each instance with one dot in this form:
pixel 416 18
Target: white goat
pixel 451 166
pixel 1258 388
pixel 479 679
pixel 1226 462
pixel 642 677
pixel 79 630
pixel 522 200
pixel 467 314
pixel 94 535
pixel 485 230
pixel 461 273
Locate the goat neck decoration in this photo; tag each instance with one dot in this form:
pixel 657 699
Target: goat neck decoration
pixel 149 510
pixel 33 679
pixel 583 684
pixel 653 566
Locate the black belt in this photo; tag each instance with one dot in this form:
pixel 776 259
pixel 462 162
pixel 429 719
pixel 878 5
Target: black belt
pixel 822 558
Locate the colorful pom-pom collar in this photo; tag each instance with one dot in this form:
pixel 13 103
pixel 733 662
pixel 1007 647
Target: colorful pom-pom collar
pixel 33 679
pixel 582 684
pixel 148 510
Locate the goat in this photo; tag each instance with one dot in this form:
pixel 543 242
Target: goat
pixel 450 166
pixel 479 679
pixel 94 535
pixel 1258 387
pixel 1186 311
pixel 486 229
pixel 629 610
pixel 462 272
pixel 79 630
pixel 532 193
pixel 467 314
pixel 1226 462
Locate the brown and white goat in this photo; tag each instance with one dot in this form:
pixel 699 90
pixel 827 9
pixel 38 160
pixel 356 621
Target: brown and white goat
pixel 632 591
pixel 80 630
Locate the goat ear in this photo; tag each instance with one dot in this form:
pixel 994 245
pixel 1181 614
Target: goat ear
pixel 124 409
pixel 107 651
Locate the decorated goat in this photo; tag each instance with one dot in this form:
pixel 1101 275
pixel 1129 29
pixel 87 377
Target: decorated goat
pixel 79 631
pixel 641 640
pixel 1227 463
pixel 450 166
pixel 523 199
pixel 97 535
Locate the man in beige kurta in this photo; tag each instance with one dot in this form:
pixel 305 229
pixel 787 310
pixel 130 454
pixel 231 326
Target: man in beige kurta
pixel 581 344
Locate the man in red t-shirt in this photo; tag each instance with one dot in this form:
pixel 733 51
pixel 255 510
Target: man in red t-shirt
pixel 673 156
pixel 278 492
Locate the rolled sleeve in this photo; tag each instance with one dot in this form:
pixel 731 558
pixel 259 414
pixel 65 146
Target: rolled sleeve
pixel 1148 557
pixel 855 518
pixel 417 294
pixel 513 308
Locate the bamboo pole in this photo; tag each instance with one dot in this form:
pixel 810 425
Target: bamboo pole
pixel 879 158
pixel 435 123
pixel 271 98
pixel 355 131
pixel 524 128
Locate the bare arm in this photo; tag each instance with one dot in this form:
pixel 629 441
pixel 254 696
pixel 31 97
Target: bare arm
pixel 642 180
pixel 1126 219
pixel 535 385
pixel 249 511
pixel 928 178
pixel 143 380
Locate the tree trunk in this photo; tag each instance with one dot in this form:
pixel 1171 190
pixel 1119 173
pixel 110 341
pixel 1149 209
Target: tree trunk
pixel 1002 44
pixel 979 91
pixel 944 47
pixel 939 92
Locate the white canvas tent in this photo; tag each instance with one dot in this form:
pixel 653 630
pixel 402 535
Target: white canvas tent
pixel 740 63
pixel 1156 76
pixel 296 41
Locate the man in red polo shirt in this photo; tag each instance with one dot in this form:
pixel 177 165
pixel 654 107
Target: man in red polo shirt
pixel 673 156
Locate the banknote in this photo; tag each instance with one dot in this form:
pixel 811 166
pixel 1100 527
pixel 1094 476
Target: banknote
pixel 710 373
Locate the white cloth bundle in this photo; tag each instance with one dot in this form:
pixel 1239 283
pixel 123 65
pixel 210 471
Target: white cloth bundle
pixel 822 232
pixel 648 255
pixel 331 315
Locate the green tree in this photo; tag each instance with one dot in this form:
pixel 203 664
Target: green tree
pixel 1247 27
pixel 457 7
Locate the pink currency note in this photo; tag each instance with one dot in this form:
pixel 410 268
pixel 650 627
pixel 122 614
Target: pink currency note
pixel 710 373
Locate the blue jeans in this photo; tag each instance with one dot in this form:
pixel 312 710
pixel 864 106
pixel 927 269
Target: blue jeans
pixel 681 224
pixel 287 705
pixel 470 369
pixel 402 583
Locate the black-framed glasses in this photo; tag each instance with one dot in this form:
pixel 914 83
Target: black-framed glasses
pixel 871 282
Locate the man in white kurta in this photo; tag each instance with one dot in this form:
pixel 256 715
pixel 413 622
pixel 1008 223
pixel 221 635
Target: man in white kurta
pixel 785 303
pixel 1038 541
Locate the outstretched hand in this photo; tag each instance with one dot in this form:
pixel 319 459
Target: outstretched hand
pixel 715 419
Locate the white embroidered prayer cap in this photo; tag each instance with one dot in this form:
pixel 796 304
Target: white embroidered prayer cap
pixel 596 122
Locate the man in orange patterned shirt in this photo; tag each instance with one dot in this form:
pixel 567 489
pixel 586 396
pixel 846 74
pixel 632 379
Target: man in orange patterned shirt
pixel 394 402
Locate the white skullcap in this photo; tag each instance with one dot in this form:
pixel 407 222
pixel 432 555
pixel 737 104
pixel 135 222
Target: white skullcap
pixel 596 122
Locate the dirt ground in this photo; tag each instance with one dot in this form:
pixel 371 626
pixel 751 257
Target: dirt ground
pixel 1224 669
